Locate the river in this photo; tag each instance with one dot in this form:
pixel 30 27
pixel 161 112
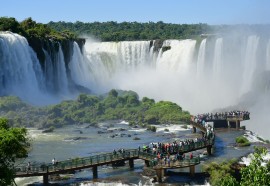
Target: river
pixel 82 140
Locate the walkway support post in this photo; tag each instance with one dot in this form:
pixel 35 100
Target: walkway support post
pixel 131 163
pixel 237 123
pixel 45 179
pixel 209 149
pixel 95 173
pixel 159 174
pixel 147 164
pixel 192 170
pixel 229 124
pixel 194 130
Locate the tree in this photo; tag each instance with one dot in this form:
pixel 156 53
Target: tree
pixel 113 93
pixel 252 175
pixel 221 173
pixel 256 173
pixel 13 144
pixel 9 24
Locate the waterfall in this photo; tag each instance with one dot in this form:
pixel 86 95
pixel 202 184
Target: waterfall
pixel 268 56
pixel 175 74
pixel 104 62
pixel 217 61
pixel 49 71
pixel 135 53
pixel 61 75
pixel 81 69
pixel 223 72
pixel 20 72
pixel 179 58
pixel 201 60
pixel 249 65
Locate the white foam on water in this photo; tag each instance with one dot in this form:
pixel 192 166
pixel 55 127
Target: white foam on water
pixel 253 137
pixel 27 181
pixel 171 128
pixel 124 122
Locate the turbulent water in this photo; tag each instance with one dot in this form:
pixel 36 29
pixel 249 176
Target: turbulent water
pixel 229 70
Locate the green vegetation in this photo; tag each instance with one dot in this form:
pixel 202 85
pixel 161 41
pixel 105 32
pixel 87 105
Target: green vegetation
pixel 13 144
pixel 242 141
pixel 40 36
pixel 130 31
pixel 31 29
pixel 255 174
pixel 91 109
pixel 221 174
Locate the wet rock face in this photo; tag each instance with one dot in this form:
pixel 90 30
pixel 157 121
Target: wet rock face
pixel 76 138
pixel 51 45
pixel 157 44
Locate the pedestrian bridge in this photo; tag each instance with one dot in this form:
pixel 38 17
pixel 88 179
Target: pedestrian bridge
pixel 150 157
pixel 66 166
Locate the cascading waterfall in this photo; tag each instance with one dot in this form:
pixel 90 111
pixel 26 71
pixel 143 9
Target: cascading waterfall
pixel 201 60
pixel 179 57
pixel 20 72
pixel 49 71
pixel 134 53
pixel 249 63
pixel 103 63
pixel 217 62
pixel 268 56
pixel 62 81
pixel 217 74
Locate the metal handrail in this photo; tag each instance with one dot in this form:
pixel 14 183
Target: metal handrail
pixel 106 158
pixel 175 163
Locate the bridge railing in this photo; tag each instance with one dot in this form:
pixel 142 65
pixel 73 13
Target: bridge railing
pixel 107 157
pixel 94 160
pixel 146 155
pixel 77 162
pixel 175 163
pixel 186 147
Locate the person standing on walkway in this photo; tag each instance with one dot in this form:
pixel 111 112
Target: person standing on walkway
pixel 53 161
pixel 28 167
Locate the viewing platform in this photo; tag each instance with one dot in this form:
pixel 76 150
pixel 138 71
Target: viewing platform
pixel 220 120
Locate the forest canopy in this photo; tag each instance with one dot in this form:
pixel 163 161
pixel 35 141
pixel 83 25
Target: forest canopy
pixel 130 31
pixel 91 109
pixel 31 29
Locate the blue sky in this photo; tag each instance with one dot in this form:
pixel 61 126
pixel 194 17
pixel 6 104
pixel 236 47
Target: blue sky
pixel 169 11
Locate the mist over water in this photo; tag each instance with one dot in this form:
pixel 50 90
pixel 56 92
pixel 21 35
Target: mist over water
pixel 221 71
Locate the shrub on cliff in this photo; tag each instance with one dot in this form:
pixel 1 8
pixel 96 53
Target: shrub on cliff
pixel 242 141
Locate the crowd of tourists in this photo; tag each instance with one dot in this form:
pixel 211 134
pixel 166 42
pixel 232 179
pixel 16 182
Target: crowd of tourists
pixel 175 147
pixel 174 152
pixel 203 118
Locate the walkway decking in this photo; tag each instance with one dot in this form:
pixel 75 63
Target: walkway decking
pixel 98 160
pixel 219 122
